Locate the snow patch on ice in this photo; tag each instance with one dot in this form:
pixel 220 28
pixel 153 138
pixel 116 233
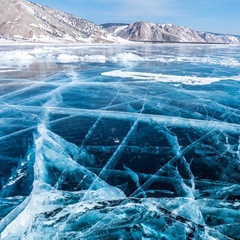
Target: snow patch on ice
pixel 94 58
pixel 123 57
pixel 189 80
pixel 227 62
pixel 64 58
pixel 17 55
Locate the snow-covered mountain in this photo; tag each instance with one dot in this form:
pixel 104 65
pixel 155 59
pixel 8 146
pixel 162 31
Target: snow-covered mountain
pixel 22 20
pixel 153 32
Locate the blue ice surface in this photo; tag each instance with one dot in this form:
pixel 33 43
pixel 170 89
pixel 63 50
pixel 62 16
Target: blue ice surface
pixel 120 142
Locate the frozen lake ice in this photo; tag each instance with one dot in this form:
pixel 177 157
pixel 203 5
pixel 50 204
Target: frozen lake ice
pixel 120 141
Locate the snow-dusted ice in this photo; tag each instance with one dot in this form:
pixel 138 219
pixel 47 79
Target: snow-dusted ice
pixel 120 142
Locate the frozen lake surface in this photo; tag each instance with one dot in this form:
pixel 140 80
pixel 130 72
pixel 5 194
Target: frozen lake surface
pixel 120 142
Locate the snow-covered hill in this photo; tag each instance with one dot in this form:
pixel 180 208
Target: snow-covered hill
pixel 153 32
pixel 22 20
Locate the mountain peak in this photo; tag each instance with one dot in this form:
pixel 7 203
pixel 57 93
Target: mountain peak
pixel 26 20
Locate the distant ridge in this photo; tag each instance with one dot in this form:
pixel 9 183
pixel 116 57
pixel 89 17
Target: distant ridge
pixel 153 32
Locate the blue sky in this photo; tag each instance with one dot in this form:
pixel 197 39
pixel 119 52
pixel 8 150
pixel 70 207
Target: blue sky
pixel 220 16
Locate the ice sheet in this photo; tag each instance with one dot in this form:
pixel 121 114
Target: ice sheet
pixel 120 142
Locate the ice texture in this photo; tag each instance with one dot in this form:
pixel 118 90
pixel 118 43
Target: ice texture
pixel 120 142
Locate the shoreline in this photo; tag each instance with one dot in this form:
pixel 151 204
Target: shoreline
pixel 176 42
pixel 8 43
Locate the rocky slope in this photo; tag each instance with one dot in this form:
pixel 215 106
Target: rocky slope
pixel 22 20
pixel 153 32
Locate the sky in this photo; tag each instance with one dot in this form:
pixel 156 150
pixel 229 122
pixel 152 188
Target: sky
pixel 218 16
